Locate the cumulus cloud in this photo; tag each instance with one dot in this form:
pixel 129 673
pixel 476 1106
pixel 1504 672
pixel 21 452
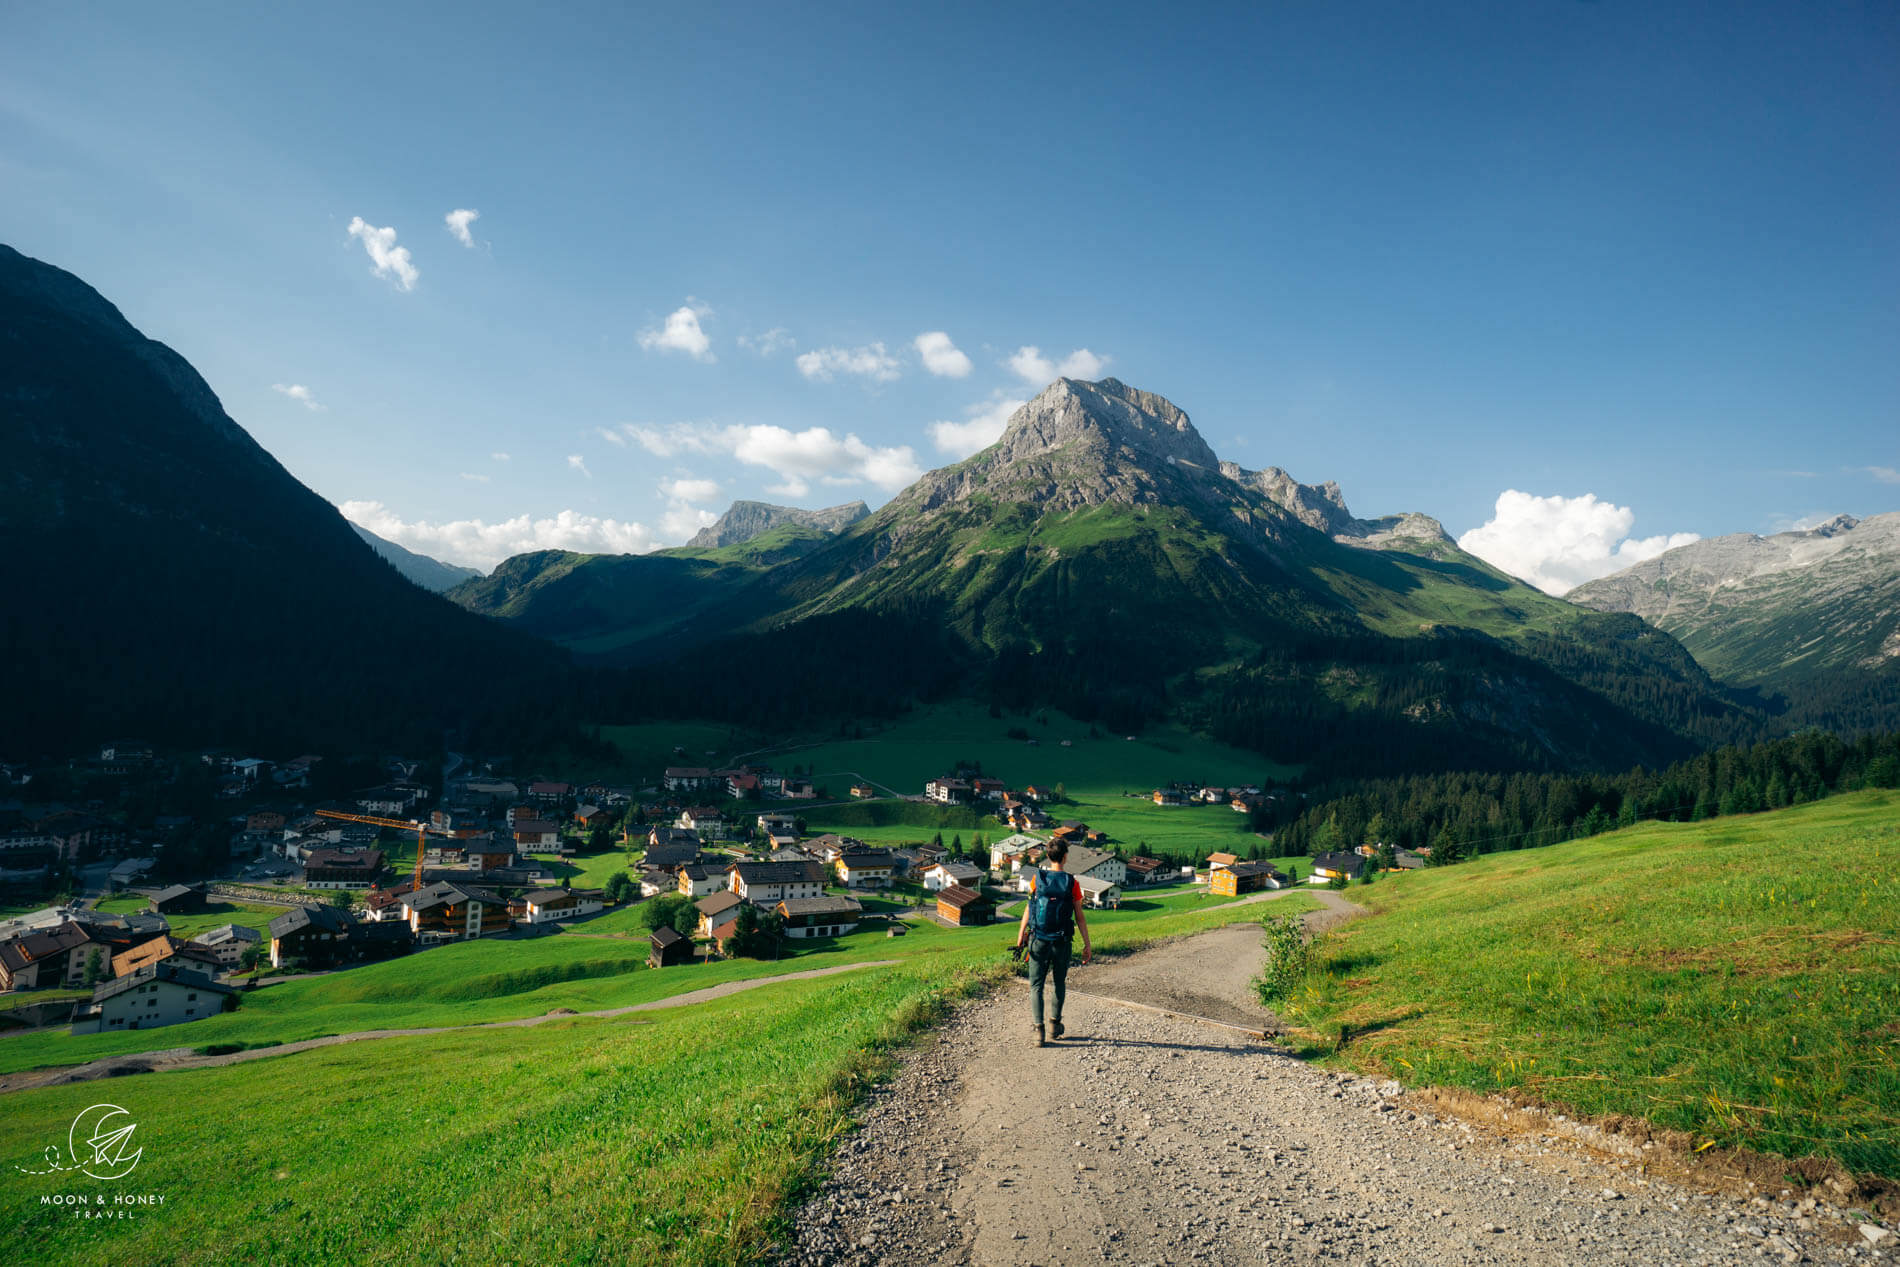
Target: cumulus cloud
pixel 388 259
pixel 982 428
pixel 474 543
pixel 681 521
pixel 578 463
pixel 940 356
pixel 1557 543
pixel 1038 370
pixel 690 490
pixel 299 393
pixel 777 339
pixel 798 458
pixel 870 361
pixel 458 221
pixel 681 333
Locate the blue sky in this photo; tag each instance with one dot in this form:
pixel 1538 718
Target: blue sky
pixel 1642 254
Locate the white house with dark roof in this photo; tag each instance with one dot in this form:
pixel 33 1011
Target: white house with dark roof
pixel 769 883
pixel 159 994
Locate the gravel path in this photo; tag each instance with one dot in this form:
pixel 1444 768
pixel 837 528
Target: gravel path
pixel 175 1058
pixel 1146 1139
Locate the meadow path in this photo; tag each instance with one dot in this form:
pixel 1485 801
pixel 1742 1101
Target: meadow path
pixel 175 1058
pixel 1144 1138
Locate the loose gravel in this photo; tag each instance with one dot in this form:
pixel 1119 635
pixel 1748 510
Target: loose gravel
pixel 1146 1139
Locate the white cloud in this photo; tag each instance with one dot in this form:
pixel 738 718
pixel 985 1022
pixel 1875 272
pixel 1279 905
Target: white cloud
pixel 1039 371
pixel 458 221
pixel 777 339
pixel 941 357
pixel 980 430
pixel 1557 543
pixel 470 475
pixel 502 457
pixel 478 544
pixel 578 463
pixel 611 437
pixel 870 361
pixel 798 458
pixel 681 333
pixel 1885 474
pixel 690 490
pixel 681 521
pixel 299 393
pixel 390 260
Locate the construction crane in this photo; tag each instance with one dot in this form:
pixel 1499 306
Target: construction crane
pixel 416 825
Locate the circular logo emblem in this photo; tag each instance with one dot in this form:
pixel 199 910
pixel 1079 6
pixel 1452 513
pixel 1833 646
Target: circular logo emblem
pixel 100 1142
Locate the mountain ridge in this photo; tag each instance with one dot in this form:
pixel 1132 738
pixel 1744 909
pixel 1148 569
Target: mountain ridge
pixel 744 520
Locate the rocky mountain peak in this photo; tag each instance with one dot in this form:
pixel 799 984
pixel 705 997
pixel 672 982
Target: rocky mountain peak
pixel 1110 415
pixel 745 520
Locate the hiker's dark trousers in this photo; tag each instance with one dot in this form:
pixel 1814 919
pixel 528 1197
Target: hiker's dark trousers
pixel 1046 959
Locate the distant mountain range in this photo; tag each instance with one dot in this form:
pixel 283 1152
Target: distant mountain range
pixel 745 520
pixel 171 581
pixel 1101 557
pixel 1812 616
pixel 431 574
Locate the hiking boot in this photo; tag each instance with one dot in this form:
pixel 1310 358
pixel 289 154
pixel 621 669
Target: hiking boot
pixel 1039 1040
pixel 1056 1030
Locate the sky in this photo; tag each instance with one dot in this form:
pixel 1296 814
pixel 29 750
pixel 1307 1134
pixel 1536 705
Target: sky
pixel 1581 280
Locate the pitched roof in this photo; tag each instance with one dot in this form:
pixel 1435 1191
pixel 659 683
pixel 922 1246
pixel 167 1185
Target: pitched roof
pixel 793 906
pixel 779 872
pixel 866 858
pixel 663 937
pixel 1094 883
pixel 168 971
pixel 959 870
pixel 724 900
pixel 1082 859
pixel 958 896
pixel 444 893
pixel 326 919
pixel 1350 863
pixel 174 891
pixel 1255 868
pixel 226 932
pixel 1222 859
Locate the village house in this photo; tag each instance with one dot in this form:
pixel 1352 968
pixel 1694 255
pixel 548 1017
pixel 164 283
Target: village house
pixel 964 906
pixel 1100 893
pixel 549 795
pixel 1212 796
pixel 779 829
pixel 863 791
pixel 1143 871
pixel 949 791
pixel 1402 859
pixel 144 954
pixel 829 847
pixel 1008 852
pixel 672 848
pixel 384 802
pixel 716 910
pixel 689 778
pixel 228 942
pixel 385 905
pixel 1245 877
pixel 536 834
pixel 769 883
pixel 694 879
pixel 590 817
pixel 1026 818
pixel 1220 862
pixel 984 788
pixel 944 875
pixel 156 995
pixel 341 868
pixel 704 819
pixel 1082 862
pixel 177 899
pixel 450 912
pixel 263 822
pixel 864 869
pixel 741 784
pixel 48 958
pixel 820 916
pixel 314 933
pixel 1168 796
pixel 548 906
pixel 1333 866
pixel 666 947
pixel 797 789
pixel 1039 794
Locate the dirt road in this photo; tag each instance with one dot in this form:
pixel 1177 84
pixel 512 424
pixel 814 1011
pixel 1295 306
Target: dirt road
pixel 1147 1139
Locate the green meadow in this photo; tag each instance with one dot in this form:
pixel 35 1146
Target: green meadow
pixel 215 914
pixel 1736 979
pixel 675 1136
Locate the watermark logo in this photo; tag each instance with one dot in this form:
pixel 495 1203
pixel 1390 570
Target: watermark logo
pixel 99 1144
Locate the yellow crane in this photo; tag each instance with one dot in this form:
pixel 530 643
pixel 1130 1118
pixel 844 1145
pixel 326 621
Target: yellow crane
pixel 416 825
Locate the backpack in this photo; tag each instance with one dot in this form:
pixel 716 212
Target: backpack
pixel 1052 907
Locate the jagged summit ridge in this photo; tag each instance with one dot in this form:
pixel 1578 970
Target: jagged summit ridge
pixel 1108 413
pixel 745 520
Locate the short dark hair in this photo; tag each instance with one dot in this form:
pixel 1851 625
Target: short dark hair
pixel 1058 849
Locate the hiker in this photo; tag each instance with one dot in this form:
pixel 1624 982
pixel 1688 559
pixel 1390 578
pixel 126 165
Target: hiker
pixel 1050 918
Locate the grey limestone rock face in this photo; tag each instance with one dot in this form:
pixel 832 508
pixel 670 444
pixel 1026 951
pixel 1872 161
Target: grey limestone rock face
pixel 745 520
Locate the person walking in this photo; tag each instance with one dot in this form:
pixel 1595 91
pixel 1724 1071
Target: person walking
pixel 1050 918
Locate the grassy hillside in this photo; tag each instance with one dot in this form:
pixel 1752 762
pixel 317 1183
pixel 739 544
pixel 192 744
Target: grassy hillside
pixel 1737 979
pixel 674 1136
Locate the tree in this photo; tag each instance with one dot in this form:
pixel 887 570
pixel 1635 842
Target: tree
pixel 252 960
pixel 1062 792
pixel 620 887
pixel 937 840
pixel 1376 829
pixel 755 933
pixel 95 967
pixel 671 910
pixel 956 843
pixel 341 899
pixel 1326 839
